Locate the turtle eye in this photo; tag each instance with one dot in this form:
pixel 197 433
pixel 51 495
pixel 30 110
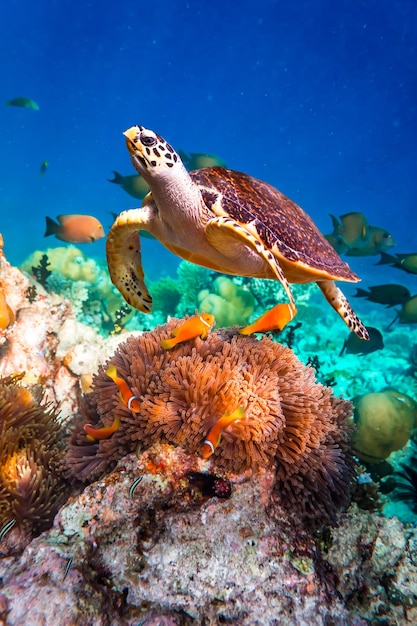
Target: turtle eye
pixel 148 140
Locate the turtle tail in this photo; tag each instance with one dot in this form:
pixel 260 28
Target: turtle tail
pixel 125 262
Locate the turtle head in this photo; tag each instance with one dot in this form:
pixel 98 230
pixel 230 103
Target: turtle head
pixel 151 155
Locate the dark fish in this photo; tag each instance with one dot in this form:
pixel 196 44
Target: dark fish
pixel 390 295
pixel 354 345
pixel 43 167
pixel 135 185
pixel 406 262
pixel 25 103
pixel 408 313
pixel 380 240
pixel 198 160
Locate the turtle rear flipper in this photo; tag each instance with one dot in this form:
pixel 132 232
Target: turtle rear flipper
pixel 336 298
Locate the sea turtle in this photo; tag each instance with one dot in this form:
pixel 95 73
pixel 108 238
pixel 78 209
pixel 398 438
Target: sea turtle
pixel 223 220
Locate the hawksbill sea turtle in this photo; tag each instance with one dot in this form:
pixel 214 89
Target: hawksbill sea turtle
pixel 226 221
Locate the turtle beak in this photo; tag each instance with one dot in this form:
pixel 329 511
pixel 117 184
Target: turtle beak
pixel 131 137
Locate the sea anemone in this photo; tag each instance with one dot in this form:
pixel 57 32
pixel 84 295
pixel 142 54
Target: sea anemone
pixel 31 483
pixel 290 420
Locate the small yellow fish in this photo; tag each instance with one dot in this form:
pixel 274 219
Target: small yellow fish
pixel 196 326
pixel 75 228
pixel 25 103
pixel 214 436
pixel 94 434
pixel 126 395
pixel 274 319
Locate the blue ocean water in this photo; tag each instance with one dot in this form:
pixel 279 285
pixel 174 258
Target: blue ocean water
pixel 318 99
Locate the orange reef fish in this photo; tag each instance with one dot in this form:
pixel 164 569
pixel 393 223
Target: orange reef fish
pixel 75 228
pixel 94 434
pixel 274 319
pixel 214 436
pixel 126 395
pixel 6 314
pixel 196 326
pixel 25 103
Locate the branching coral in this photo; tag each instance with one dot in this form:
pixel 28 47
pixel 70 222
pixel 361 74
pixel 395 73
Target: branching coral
pixel 31 483
pixel 289 419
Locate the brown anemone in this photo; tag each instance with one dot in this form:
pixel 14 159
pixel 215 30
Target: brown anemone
pixel 289 419
pixel 31 482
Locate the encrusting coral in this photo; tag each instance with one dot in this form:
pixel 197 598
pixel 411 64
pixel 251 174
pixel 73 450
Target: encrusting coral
pixel 384 423
pixel 290 421
pixel 31 481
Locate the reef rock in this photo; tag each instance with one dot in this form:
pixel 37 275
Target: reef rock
pixel 159 552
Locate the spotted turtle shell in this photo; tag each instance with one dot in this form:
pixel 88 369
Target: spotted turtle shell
pixel 279 222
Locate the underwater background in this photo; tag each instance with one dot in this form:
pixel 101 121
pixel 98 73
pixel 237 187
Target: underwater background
pixel 316 98
pixel 150 439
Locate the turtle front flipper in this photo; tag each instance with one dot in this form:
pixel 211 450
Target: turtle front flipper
pixel 124 258
pixel 224 233
pixel 339 302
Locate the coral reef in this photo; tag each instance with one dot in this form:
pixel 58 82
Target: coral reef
pixel 192 279
pixel 48 342
pixel 165 555
pixel 166 294
pixel 171 538
pixel 229 303
pixel 384 422
pixel 289 419
pixel 31 483
pixel 81 280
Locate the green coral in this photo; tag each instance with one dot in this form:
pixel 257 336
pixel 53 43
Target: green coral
pixel 192 279
pixel 166 295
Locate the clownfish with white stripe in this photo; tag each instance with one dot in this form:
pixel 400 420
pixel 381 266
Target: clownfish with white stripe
pixel 215 434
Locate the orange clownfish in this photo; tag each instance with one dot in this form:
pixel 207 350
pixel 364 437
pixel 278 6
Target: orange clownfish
pixel 94 434
pixel 274 319
pixel 6 314
pixel 196 326
pixel 214 436
pixel 126 395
